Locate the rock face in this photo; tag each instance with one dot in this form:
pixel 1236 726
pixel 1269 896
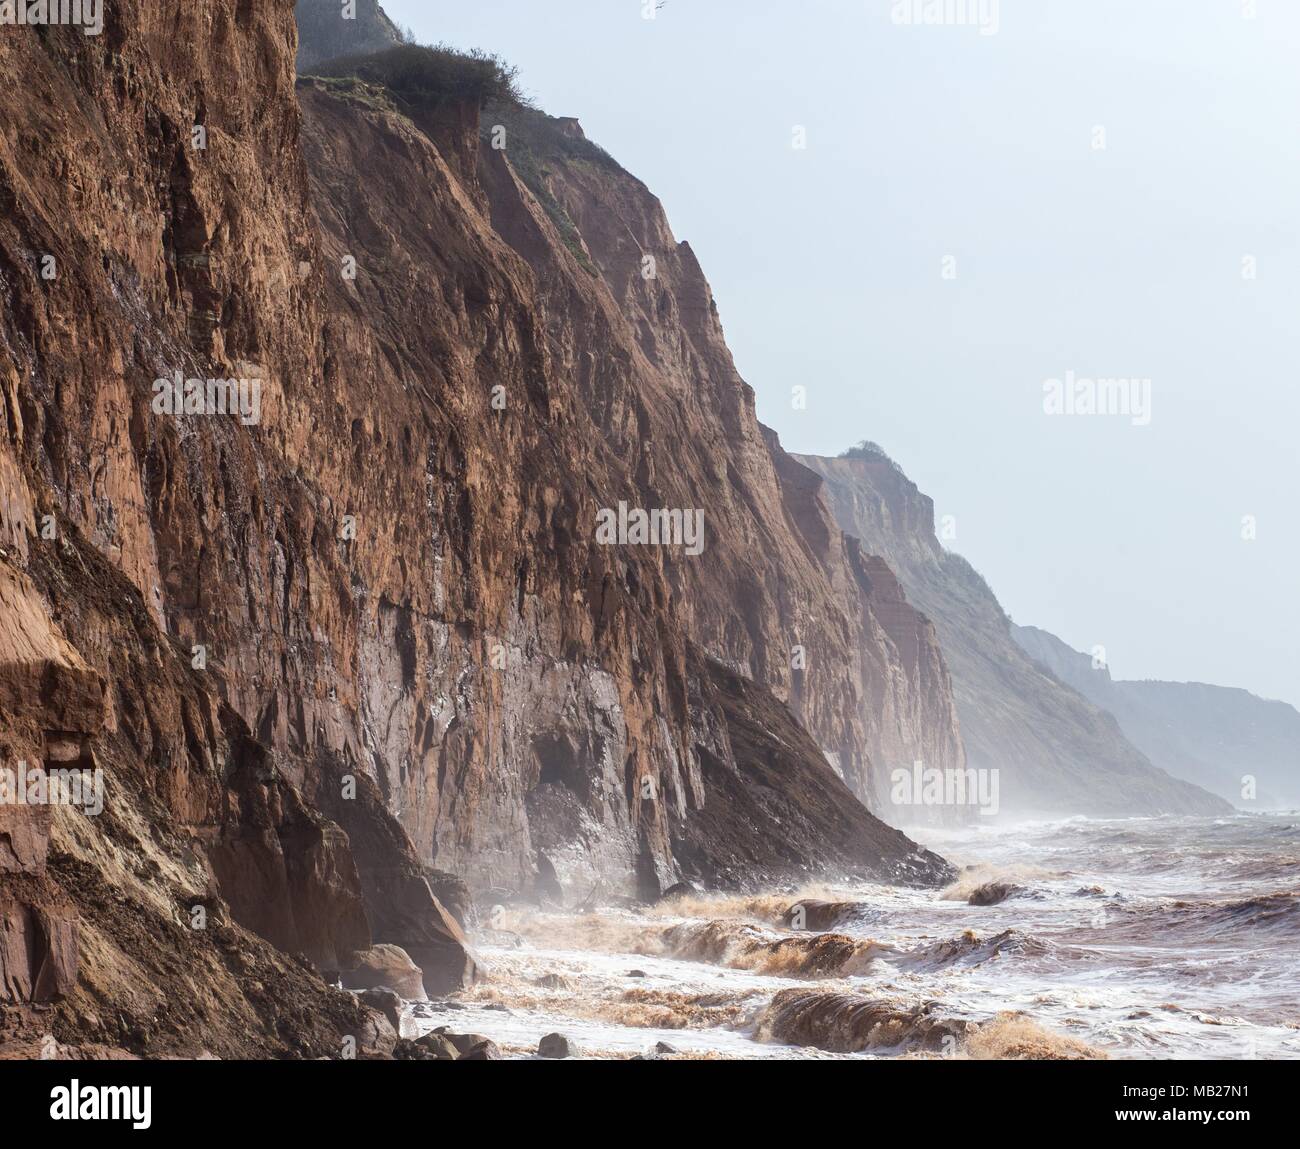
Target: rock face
pixel 367 629
pixel 1215 736
pixel 1056 752
pixel 38 954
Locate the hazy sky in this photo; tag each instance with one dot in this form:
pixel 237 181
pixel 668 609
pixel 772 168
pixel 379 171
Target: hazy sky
pixel 925 142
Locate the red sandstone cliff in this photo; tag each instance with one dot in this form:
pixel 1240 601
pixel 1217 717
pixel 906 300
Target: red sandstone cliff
pixel 374 633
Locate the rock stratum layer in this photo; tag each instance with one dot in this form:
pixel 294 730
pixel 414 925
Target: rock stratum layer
pixel 372 632
pixel 1056 752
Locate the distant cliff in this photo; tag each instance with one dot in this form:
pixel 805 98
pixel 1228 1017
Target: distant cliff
pixel 324 33
pixel 1057 752
pixel 1243 748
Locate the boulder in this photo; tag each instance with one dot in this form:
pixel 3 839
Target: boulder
pixel 461 1042
pixel 377 1037
pixel 399 902
pixel 390 966
pixel 484 1051
pixel 991 893
pixel 438 1046
pixel 680 890
pixel 407 1050
pixel 556 1047
pixel 386 1002
pixel 442 951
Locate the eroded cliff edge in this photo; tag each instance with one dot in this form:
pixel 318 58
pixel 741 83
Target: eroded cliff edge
pixel 371 633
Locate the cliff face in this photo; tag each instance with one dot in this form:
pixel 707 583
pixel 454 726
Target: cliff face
pixel 132 549
pixel 549 683
pixel 1057 752
pixel 371 630
pixel 781 595
pixel 1220 738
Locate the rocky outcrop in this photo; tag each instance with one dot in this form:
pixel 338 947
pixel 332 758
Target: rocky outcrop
pixel 1241 747
pixel 1056 753
pixel 38 953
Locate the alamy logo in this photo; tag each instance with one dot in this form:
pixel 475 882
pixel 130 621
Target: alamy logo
pixel 77 1102
pixel 658 527
pixel 83 789
pixel 933 787
pixel 981 14
pixel 180 396
pixel 89 14
pixel 1077 395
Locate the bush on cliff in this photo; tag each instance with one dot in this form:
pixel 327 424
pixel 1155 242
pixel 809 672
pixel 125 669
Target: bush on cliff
pixel 426 77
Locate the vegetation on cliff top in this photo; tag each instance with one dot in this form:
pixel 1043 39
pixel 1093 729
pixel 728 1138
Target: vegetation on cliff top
pixel 423 77
pixel 871 453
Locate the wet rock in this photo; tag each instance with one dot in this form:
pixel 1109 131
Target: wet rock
pixel 680 890
pixel 386 1002
pixel 390 966
pixel 848 1023
pixel 991 893
pixel 483 1051
pixel 438 1046
pixel 554 981
pixel 809 914
pixel 406 1050
pixel 461 1042
pixel 555 1047
pixel 377 1036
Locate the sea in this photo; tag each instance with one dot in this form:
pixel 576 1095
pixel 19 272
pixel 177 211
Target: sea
pixel 1144 938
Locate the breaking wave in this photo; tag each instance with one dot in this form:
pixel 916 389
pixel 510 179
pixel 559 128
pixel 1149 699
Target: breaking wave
pixel 743 946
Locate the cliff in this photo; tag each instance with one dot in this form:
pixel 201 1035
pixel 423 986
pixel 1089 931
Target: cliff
pixel 1057 753
pixel 368 631
pixel 1241 747
pixel 324 32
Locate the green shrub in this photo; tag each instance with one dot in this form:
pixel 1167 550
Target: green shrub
pixel 871 453
pixel 423 78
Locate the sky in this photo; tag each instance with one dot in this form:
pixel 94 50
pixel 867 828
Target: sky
pixel 1066 190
